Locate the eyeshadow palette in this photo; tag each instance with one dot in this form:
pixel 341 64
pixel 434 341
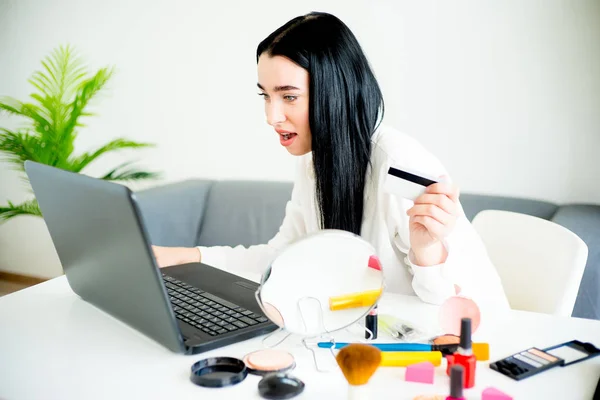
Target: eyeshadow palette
pixel 526 363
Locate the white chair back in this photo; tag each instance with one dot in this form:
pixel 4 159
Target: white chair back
pixel 539 262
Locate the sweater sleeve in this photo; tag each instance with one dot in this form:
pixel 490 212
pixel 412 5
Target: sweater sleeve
pixel 467 264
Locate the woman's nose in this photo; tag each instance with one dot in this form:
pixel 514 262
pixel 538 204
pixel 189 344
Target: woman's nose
pixel 275 114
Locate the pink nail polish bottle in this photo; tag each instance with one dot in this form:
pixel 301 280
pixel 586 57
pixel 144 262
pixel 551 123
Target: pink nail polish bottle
pixel 456 383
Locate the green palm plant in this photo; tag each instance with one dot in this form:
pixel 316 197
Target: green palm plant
pixel 64 93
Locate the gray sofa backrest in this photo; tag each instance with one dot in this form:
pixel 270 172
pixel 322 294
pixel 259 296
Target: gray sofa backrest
pixel 246 213
pixel 174 213
pixel 213 213
pixel 474 203
pixel 209 213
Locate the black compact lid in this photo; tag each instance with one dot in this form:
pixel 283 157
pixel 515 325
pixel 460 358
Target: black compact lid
pixel 280 386
pixel 218 372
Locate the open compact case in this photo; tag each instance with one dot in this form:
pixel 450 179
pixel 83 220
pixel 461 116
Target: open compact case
pixel 218 372
pixel 320 284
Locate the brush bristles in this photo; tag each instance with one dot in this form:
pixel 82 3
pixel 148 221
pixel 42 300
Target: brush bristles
pixel 358 362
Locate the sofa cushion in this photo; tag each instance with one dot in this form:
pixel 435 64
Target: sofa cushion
pixel 243 212
pixel 584 221
pixel 172 213
pixel 474 203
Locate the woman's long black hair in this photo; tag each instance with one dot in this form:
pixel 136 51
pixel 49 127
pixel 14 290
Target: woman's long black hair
pixel 344 108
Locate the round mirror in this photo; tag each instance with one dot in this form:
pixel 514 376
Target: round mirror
pixel 321 283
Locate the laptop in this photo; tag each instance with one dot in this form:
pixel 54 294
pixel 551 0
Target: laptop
pixel 103 246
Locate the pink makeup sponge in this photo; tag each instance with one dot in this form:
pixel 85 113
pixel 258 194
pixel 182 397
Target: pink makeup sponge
pixel 421 372
pixel 374 263
pixel 494 394
pixel 456 308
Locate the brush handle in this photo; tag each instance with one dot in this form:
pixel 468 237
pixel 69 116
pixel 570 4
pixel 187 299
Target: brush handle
pixel 359 392
pixel 384 346
pixel 406 358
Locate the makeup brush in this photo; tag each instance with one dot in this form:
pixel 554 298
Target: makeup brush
pixel 358 363
pixel 481 350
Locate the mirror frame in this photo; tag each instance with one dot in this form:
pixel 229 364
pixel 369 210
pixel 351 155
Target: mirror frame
pixel 337 232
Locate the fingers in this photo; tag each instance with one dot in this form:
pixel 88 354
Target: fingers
pixel 430 211
pixel 438 200
pixel 435 228
pixel 444 188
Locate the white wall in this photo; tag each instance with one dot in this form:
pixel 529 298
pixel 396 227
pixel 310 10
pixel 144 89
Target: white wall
pixel 505 93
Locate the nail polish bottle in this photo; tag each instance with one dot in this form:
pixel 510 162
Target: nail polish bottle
pixel 464 355
pixel 456 383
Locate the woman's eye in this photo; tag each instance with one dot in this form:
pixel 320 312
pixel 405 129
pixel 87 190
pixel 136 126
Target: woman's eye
pixel 290 98
pixel 264 95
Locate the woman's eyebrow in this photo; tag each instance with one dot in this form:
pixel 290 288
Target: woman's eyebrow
pixel 279 88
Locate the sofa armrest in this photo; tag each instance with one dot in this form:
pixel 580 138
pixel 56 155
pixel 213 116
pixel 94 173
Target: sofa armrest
pixel 173 213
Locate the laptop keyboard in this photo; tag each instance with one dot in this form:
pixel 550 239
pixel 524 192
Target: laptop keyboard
pixel 211 314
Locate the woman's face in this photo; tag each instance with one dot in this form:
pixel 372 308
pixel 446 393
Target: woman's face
pixel 284 86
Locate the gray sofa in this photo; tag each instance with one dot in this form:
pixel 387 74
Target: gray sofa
pixel 208 213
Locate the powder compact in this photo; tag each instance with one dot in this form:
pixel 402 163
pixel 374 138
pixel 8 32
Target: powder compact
pixel 446 339
pixel 263 362
pixel 218 372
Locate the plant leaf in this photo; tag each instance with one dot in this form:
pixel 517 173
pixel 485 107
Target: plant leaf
pixel 58 83
pixel 45 84
pixel 67 66
pixel 82 161
pixel 123 173
pixel 10 108
pixel 20 147
pixel 86 91
pixel 29 207
pixel 31 111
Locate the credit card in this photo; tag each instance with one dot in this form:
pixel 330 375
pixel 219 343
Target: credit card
pixel 406 183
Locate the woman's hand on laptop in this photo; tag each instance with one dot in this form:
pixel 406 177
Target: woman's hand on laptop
pixel 169 256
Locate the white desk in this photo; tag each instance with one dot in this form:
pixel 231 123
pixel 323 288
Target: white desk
pixel 53 345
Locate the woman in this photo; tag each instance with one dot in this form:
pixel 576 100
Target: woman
pixel 326 106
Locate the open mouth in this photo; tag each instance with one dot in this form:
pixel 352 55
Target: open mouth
pixel 287 138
